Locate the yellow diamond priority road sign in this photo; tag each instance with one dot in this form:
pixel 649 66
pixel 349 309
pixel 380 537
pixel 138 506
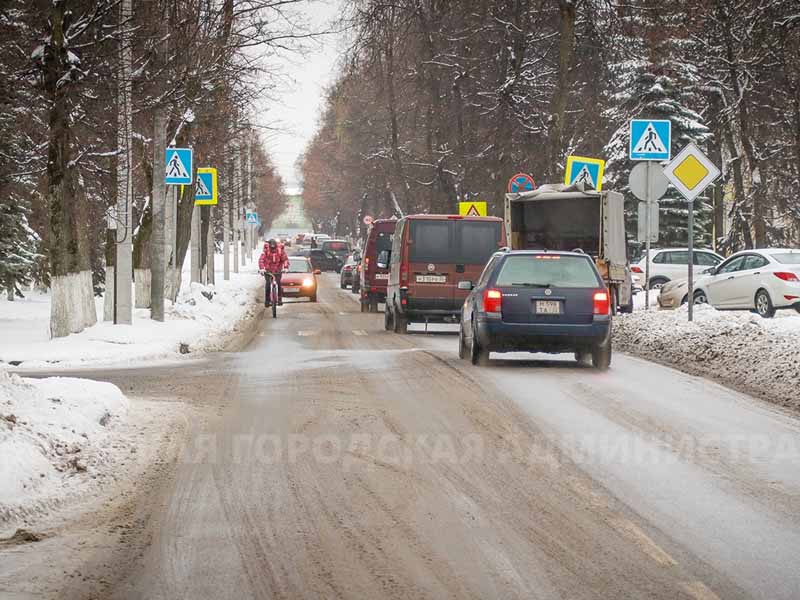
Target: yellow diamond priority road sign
pixel 691 172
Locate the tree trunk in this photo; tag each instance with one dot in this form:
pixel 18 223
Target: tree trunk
pixel 72 304
pixel 558 105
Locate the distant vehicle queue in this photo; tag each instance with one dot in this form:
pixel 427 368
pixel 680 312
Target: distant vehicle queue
pixel 546 278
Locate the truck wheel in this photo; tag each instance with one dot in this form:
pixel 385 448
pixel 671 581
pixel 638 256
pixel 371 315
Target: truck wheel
pixel 342 284
pixel 373 306
pixel 614 297
pixel 363 305
pixel 388 325
pixel 399 322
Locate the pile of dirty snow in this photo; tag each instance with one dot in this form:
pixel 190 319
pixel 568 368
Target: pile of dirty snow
pixel 56 436
pixel 740 349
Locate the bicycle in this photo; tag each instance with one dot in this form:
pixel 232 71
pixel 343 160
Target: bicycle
pixel 273 292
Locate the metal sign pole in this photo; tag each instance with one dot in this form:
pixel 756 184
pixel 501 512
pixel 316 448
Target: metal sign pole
pixel 647 201
pixel 691 259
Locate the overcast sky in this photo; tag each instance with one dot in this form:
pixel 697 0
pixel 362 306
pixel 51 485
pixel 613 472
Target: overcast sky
pixel 299 103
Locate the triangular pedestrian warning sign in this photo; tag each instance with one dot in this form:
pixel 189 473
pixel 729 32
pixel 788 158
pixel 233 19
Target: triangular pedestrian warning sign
pixel 584 176
pixel 176 168
pixel 201 189
pixel 650 141
pixel 473 211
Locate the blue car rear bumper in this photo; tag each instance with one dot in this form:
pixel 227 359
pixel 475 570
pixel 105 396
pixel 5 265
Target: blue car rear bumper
pixel 498 336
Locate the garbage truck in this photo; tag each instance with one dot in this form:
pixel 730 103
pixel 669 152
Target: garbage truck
pixel 575 218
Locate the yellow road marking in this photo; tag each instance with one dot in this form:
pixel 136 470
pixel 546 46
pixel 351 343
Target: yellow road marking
pixel 699 591
pixel 647 545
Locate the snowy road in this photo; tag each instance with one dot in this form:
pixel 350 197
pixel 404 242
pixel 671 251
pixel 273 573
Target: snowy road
pixel 345 461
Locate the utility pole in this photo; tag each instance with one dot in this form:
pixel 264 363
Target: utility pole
pixel 196 246
pixel 237 177
pixel 158 245
pixel 210 247
pixel 123 264
pixel 250 206
pixel 226 194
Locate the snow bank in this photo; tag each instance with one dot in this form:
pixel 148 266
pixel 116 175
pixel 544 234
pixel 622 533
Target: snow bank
pixel 202 318
pixel 740 349
pixel 54 439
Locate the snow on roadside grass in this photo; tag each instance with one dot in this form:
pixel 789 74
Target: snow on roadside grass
pixel 55 438
pixel 202 318
pixel 740 349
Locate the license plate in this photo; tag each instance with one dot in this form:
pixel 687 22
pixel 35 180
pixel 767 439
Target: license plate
pixel 548 307
pixel 431 278
pixel 383 276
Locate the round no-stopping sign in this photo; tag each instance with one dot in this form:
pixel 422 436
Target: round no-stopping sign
pixel 521 182
pixel 368 220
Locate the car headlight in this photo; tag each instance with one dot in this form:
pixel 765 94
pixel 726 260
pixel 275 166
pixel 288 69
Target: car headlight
pixel 308 282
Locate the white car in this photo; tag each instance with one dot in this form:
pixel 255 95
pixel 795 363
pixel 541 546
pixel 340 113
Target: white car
pixel 763 280
pixel 672 263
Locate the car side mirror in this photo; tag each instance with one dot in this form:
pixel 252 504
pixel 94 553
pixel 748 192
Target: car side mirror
pixel 710 271
pixel 465 285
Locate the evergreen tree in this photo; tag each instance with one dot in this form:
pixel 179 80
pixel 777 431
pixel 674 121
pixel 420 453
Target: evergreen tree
pixel 657 84
pixel 18 246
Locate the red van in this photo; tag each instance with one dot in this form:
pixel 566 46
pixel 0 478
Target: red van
pixel 375 264
pixel 430 255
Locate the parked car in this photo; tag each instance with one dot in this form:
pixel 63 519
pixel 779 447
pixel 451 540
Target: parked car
pixel 355 287
pixel 763 280
pixel 674 293
pixel 375 265
pixel 348 271
pixel 324 261
pixel 537 301
pixel 667 264
pixel 430 255
pixel 301 279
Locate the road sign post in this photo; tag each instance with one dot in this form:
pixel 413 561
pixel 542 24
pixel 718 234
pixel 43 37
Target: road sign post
pixel 691 172
pixel 648 183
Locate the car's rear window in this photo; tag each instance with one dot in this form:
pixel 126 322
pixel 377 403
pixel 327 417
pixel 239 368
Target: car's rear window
pixel 546 270
pixel 299 265
pixel 336 246
pixel 383 241
pixel 454 241
pixel 788 258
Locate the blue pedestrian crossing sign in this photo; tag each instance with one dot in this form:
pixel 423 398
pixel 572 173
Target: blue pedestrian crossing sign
pixel 205 187
pixel 588 171
pixel 178 166
pixel 252 218
pixel 650 139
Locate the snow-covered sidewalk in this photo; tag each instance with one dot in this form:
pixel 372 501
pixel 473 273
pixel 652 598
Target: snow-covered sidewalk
pixel 202 319
pixel 740 349
pixel 56 438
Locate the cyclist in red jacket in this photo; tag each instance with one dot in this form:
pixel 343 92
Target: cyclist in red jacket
pixel 273 260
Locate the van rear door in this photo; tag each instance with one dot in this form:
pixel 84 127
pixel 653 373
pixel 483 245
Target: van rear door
pixel 431 264
pixel 476 241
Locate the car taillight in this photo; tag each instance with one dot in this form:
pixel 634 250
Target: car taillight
pixel 404 272
pixel 785 276
pixel 636 269
pixel 600 305
pixel 492 301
